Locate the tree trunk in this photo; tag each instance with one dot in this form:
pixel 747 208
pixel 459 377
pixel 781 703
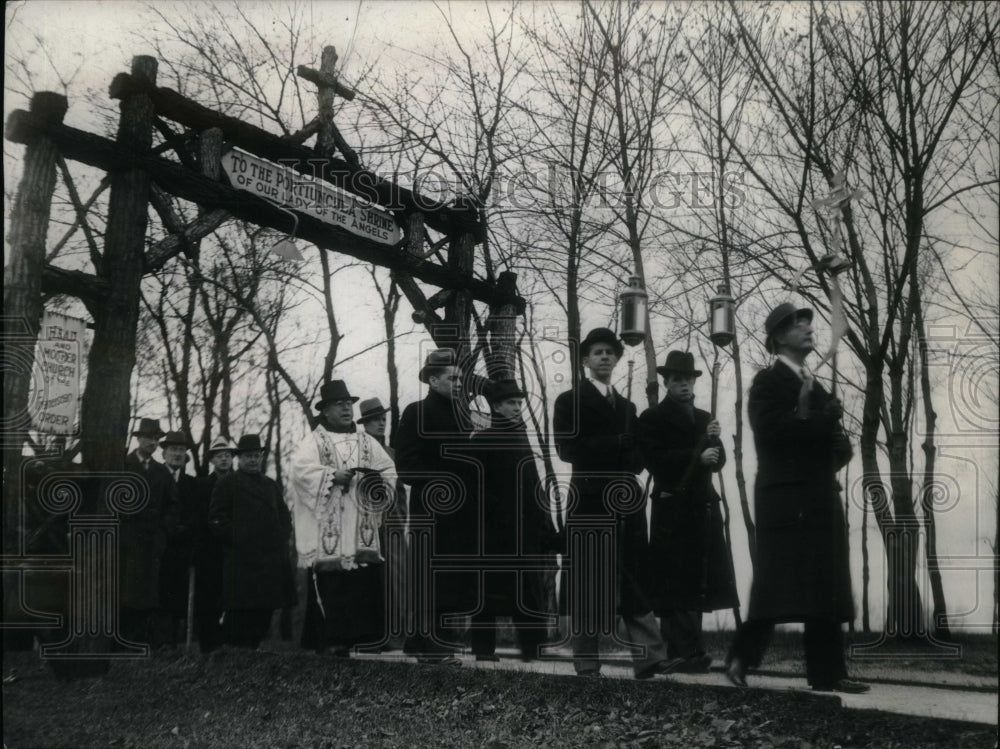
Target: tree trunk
pixel 105 409
pixel 939 618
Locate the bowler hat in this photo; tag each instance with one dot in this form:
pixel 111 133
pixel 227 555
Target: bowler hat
pixel 335 390
pixel 149 428
pixel 602 335
pixel 681 362
pixel 221 444
pixel 501 390
pixel 370 408
pixel 249 443
pixel 442 357
pixel 778 317
pixel 174 438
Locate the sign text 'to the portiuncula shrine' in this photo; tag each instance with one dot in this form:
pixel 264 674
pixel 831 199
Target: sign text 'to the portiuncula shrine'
pixel 310 196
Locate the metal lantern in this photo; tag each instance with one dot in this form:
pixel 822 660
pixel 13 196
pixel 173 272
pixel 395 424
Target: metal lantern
pixel 722 317
pixel 633 312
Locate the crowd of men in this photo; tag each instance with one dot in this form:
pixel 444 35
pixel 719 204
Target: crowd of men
pixel 451 528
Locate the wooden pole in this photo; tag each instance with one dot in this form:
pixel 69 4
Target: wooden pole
pixel 501 361
pixel 722 487
pixel 22 304
pixel 105 411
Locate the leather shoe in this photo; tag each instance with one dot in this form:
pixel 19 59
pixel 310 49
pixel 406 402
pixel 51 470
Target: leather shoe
pixel 848 686
pixel 736 673
pixel 488 657
pixel 696 664
pixel 593 674
pixel 660 667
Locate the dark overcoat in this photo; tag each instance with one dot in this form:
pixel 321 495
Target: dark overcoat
pixel 802 555
pixel 515 522
pixel 179 553
pixel 249 516
pixel 431 446
pixel 690 566
pixel 208 550
pixel 142 536
pixel 603 485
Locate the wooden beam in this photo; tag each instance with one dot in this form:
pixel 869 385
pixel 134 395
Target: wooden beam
pixel 100 152
pixel 439 216
pixel 325 80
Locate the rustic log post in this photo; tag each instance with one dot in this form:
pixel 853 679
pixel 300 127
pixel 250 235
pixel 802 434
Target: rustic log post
pixel 22 305
pixel 458 310
pixel 105 410
pixel 502 360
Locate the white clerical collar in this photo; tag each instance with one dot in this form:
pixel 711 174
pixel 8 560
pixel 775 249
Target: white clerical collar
pixel 800 370
pixel 603 389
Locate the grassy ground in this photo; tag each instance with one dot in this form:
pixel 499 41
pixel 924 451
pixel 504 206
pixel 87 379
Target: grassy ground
pixel 298 700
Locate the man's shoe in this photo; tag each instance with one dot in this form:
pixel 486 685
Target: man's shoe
pixel 736 673
pixel 848 686
pixel 489 657
pixel 661 667
pixel 696 664
pixel 593 673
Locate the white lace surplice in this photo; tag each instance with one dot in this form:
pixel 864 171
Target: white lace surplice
pixel 332 528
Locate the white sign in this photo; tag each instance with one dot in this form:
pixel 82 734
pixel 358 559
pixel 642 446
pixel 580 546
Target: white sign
pixel 310 196
pixel 58 355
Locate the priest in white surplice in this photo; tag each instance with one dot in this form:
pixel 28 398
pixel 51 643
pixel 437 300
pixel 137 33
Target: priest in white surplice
pixel 342 481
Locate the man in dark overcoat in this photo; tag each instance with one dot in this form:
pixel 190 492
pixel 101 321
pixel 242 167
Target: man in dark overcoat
pixel 179 554
pixel 142 538
pixel 432 433
pixel 248 514
pixel 690 567
pixel 208 550
pixel 515 525
pixel 594 430
pixel 801 572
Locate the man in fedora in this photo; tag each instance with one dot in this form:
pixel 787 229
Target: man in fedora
pixel 208 551
pixel 430 434
pixel 594 430
pixel 342 481
pixel 372 419
pixel 801 571
pixel 248 515
pixel 515 525
pixel 690 567
pixel 142 538
pixel 178 555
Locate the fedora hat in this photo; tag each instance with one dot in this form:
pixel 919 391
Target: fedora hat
pixel 221 444
pixel 335 390
pixel 778 317
pixel 370 408
pixel 442 357
pixel 681 362
pixel 500 390
pixel 249 443
pixel 174 438
pixel 149 428
pixel 602 335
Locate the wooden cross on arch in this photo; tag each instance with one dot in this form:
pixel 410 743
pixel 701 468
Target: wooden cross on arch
pixel 329 139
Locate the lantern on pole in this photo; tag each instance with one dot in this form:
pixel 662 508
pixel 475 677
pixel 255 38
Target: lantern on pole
pixel 633 312
pixel 722 317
